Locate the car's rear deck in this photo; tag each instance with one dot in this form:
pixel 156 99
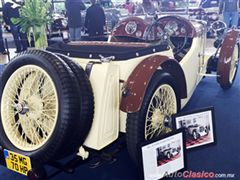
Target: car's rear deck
pixel 97 49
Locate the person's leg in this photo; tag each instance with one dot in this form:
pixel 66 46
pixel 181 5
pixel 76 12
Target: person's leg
pixel 24 40
pixel 14 31
pixel 234 19
pixel 101 32
pixel 226 18
pixel 77 34
pixel 72 34
pixel 2 48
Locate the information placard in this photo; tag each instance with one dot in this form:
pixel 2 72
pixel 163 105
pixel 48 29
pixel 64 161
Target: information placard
pixel 163 156
pixel 198 126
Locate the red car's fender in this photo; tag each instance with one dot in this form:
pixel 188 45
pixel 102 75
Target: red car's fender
pixel 136 85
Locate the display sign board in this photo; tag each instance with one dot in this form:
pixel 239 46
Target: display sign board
pixel 198 126
pixel 163 156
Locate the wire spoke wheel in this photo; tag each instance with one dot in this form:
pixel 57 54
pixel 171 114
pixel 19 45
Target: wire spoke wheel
pixel 29 107
pixel 161 100
pixel 162 104
pixel 46 106
pixel 234 64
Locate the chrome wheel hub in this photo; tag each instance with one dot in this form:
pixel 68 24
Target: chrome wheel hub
pixel 21 108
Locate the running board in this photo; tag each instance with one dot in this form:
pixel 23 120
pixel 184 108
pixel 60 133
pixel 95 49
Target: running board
pixel 209 75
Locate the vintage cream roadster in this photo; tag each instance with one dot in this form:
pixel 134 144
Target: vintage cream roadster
pixel 77 96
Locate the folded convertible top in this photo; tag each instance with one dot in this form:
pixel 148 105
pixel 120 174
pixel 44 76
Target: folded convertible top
pixel 96 49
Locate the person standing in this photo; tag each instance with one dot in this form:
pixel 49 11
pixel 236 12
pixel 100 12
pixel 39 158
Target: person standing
pixel 2 47
pixel 95 20
pixel 229 8
pixel 74 8
pixel 129 6
pixel 149 7
pixel 11 10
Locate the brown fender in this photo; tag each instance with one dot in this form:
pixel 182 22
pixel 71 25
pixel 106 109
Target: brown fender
pixel 136 85
pixel 225 57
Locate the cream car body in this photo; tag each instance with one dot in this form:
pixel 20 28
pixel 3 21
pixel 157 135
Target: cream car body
pixel 108 119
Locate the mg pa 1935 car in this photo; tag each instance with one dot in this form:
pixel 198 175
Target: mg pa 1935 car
pixel 77 96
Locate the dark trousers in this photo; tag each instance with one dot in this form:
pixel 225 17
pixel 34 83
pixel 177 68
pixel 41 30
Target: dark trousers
pixel 2 48
pixel 20 39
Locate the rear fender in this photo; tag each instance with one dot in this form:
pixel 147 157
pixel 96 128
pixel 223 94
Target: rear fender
pixel 135 87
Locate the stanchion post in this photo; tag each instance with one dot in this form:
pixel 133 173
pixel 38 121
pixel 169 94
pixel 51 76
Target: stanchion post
pixel 8 53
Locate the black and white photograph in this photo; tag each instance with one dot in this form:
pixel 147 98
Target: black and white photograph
pixel 164 155
pixel 168 152
pixel 198 127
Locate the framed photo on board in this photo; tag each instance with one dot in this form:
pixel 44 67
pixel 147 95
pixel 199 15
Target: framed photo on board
pixel 198 126
pixel 163 156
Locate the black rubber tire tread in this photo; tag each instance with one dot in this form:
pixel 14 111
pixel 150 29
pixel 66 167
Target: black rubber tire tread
pixel 64 139
pixel 136 121
pixel 85 91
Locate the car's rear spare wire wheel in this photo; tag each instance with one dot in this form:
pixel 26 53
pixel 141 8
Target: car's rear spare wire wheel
pixel 41 107
pixel 160 101
pixel 29 107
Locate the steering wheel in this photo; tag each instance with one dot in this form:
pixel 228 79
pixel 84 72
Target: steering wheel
pixel 166 27
pixel 218 27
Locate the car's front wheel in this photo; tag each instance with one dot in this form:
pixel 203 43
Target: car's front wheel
pixel 160 101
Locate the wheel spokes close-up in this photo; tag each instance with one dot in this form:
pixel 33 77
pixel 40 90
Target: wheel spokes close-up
pixel 29 107
pixel 162 104
pixel 234 63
